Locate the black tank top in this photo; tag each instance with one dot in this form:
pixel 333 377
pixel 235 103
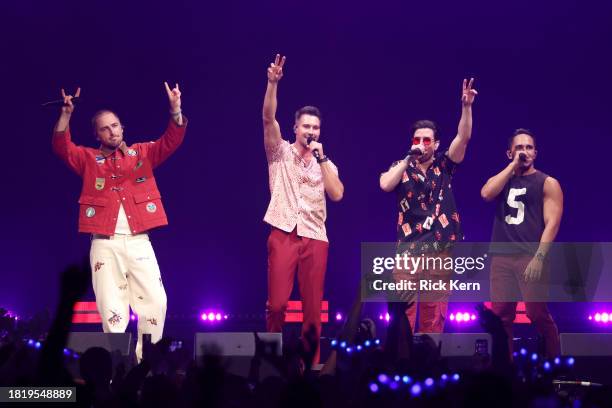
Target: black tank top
pixel 519 219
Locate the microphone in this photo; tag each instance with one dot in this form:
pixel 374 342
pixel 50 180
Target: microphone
pixel 415 152
pixel 315 152
pixel 59 102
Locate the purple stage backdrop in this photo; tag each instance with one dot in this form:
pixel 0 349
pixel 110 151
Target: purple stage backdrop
pixel 372 68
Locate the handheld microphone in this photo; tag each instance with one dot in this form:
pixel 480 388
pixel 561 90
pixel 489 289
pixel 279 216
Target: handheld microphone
pixel 415 152
pixel 315 152
pixel 59 102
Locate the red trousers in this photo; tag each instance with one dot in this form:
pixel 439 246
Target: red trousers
pixel 288 253
pixel 432 305
pixel 506 276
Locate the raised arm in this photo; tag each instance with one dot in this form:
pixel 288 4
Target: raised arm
pixel 175 132
pixel 174 99
pixel 272 133
pixel 456 151
pixel 62 143
pixel 496 184
pixel 66 113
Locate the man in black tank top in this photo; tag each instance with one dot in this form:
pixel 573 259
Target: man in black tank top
pixel 529 209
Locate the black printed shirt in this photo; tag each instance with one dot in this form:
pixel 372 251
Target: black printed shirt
pixel 427 214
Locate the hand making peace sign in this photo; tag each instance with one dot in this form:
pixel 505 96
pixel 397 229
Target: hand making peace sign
pixel 275 72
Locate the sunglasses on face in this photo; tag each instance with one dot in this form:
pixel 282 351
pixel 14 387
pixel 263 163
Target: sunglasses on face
pixel 417 140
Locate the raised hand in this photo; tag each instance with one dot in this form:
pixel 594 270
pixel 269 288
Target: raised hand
pixel 174 97
pixel 275 72
pixel 68 107
pixel 469 93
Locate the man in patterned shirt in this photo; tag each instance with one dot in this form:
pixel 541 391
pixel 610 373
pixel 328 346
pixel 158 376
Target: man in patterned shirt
pixel 428 219
pixel 296 213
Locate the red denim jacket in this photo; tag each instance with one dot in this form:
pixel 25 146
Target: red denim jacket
pixel 125 176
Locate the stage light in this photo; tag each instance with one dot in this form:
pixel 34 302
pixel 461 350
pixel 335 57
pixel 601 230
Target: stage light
pixel 349 350
pixel 334 343
pixel 367 343
pixel 597 317
pixel 547 366
pixel 534 357
pixel 37 345
pixel 359 347
pixel 456 377
pixel 377 342
pixel 406 379
pixel 133 317
pixel 570 361
pixel 429 382
pixel 338 316
pixel 396 378
pixel 444 377
pixel 415 390
pixel 473 317
pixel 557 360
pixel 523 351
pixel 452 317
pixel 374 387
pixel 66 352
pixel 604 318
pixel 383 378
pixel 394 385
pixel 459 317
pixel 30 342
pixel 213 316
pixel 343 344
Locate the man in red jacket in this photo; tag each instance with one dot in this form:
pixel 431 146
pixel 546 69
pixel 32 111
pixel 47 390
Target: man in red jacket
pixel 119 204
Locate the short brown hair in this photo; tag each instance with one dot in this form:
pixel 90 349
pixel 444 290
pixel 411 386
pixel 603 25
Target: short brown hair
pixel 308 110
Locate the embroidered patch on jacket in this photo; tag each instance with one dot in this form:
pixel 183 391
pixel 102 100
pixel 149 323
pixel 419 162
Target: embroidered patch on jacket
pixel 141 179
pixel 100 181
pixel 138 165
pixel 152 320
pixel 100 160
pixel 90 212
pixel 98 266
pixel 132 152
pixel 151 207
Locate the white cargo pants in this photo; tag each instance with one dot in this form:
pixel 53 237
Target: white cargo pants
pixel 125 274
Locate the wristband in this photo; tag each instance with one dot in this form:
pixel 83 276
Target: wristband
pixel 323 159
pixel 178 113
